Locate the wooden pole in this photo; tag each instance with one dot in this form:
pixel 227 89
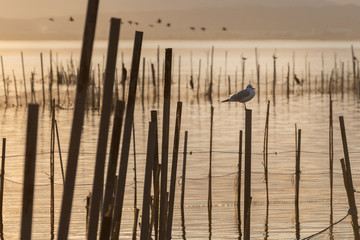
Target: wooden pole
pixel 52 172
pixel 23 70
pixel 16 93
pixel 297 185
pixel 266 155
pixel 78 119
pixel 50 80
pixel 274 79
pixel 2 188
pixel 239 184
pixel 198 80
pixel 174 169
pixel 110 179
pixel 129 119
pixel 349 183
pixel 351 198
pixel 4 80
pixel 42 78
pixel 247 177
pixel 29 171
pixel 147 182
pixel 183 178
pixel 98 182
pixel 165 145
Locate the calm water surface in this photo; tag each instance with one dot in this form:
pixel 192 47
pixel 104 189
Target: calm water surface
pixel 309 112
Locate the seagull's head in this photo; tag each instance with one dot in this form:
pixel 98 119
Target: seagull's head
pixel 250 87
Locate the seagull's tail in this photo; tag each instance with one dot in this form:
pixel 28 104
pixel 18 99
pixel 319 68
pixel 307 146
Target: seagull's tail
pixel 225 100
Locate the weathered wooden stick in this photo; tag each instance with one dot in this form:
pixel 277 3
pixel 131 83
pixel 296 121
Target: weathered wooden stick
pixel 23 70
pixel 98 182
pixel 42 78
pixel 165 145
pixel 145 217
pixel 78 119
pixel 288 82
pixel 351 198
pixel 2 188
pixel 110 179
pixel 297 185
pixel 16 93
pixel 4 81
pixel 198 80
pixel 60 156
pixel 239 184
pixel 129 119
pixel 50 80
pixel 52 172
pixel 247 177
pixel 183 177
pixel 210 162
pixel 266 155
pixel 174 169
pixel 29 171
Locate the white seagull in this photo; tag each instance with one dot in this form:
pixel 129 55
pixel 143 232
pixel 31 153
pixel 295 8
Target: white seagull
pixel 243 96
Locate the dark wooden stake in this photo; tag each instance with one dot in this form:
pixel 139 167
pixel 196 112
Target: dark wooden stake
pixel 129 119
pixel 183 177
pixel 4 80
pixel 165 145
pixel 2 188
pixel 29 171
pixel 52 172
pixel 297 185
pixel 78 119
pixel 23 70
pixel 98 182
pixel 110 179
pixel 239 184
pixel 174 169
pixel 247 177
pixel 145 219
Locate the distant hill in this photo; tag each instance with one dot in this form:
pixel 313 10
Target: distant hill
pixel 246 21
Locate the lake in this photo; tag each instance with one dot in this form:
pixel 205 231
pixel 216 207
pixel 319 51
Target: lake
pixel 308 109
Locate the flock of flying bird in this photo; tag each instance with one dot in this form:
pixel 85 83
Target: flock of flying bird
pixel 158 21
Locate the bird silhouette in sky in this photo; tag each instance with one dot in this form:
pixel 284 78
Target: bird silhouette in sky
pixel 159 20
pixel 51 19
pixel 168 24
pixel 71 19
pixel 130 22
pixel 136 23
pixel 192 28
pixel 203 28
pixel 224 29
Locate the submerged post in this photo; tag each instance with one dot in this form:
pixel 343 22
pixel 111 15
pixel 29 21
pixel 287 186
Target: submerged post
pixel 78 118
pixel 247 178
pixel 29 171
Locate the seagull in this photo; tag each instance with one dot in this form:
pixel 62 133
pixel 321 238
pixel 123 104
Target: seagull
pixel 243 96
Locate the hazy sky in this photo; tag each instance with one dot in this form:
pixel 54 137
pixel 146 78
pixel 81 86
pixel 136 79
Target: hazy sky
pixel 53 8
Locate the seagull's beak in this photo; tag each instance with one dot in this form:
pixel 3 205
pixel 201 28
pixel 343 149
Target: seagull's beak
pixel 254 88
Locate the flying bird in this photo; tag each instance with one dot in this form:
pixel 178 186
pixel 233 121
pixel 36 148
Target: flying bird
pixel 130 22
pixel 203 28
pixel 297 80
pixel 192 28
pixel 168 24
pixel 224 29
pixel 243 96
pixel 136 23
pixel 71 19
pixel 159 20
pixel 51 19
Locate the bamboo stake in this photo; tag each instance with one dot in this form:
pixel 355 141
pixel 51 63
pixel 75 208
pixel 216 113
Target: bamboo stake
pixel 147 182
pixel 2 188
pixel 265 152
pixel 29 171
pixel 247 177
pixel 174 169
pixel 78 121
pixel 97 190
pixel 165 145
pixel 124 158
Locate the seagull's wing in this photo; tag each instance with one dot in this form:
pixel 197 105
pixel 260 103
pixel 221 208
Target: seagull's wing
pixel 238 97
